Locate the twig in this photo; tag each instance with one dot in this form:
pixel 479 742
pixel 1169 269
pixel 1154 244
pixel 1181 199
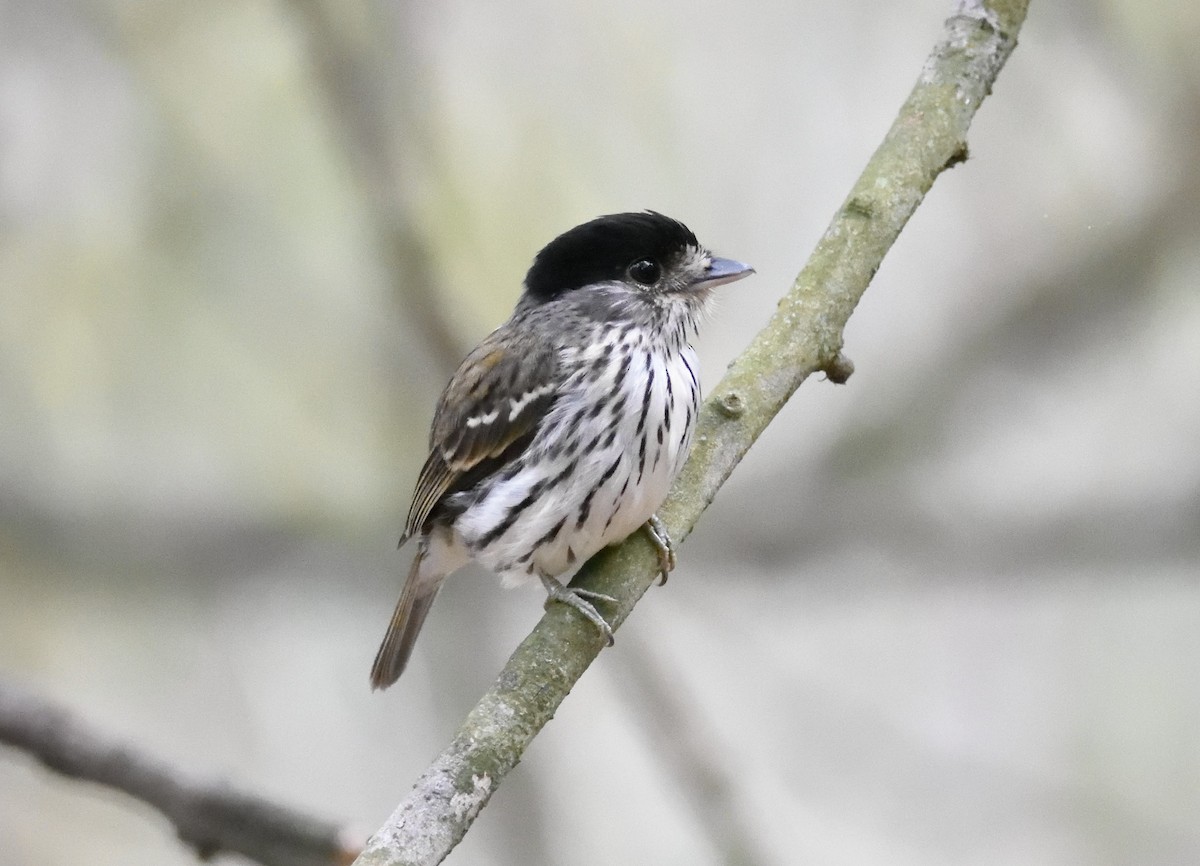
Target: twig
pixel 360 106
pixel 209 817
pixel 803 336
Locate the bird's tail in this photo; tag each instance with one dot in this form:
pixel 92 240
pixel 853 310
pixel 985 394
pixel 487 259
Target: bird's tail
pixel 420 590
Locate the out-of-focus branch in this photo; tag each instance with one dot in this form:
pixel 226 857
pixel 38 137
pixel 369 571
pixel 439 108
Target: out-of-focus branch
pixel 1075 305
pixel 690 755
pixel 362 108
pixel 804 336
pixel 1108 280
pixel 210 817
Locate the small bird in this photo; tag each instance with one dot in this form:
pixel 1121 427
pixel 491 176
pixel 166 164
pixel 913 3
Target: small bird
pixel 562 431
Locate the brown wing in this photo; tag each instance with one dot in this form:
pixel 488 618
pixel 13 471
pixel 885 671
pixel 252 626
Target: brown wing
pixel 492 405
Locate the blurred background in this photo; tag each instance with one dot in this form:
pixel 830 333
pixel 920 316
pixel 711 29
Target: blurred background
pixel 948 613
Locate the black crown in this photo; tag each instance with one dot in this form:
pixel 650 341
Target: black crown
pixel 603 249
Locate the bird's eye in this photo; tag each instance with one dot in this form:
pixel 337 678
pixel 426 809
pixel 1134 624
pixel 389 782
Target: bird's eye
pixel 645 271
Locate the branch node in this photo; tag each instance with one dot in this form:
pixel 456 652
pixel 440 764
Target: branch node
pixel 730 405
pixel 860 206
pixel 960 155
pixel 976 10
pixel 839 369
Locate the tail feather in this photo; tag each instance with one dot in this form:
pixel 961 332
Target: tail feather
pixel 415 601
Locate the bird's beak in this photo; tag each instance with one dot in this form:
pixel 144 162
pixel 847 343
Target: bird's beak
pixel 721 271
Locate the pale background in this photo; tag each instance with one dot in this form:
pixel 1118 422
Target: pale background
pixel 946 614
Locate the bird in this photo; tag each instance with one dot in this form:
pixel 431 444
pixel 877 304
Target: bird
pixel 562 431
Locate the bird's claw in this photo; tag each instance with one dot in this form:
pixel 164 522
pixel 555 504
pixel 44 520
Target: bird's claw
pixel 578 599
pixel 661 539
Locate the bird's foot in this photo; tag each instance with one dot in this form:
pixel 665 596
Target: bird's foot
pixel 661 539
pixel 578 599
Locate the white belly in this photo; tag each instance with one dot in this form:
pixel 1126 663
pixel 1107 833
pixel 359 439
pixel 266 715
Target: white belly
pixel 605 478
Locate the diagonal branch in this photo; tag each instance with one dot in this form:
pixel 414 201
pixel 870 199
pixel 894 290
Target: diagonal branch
pixel 804 336
pixel 210 817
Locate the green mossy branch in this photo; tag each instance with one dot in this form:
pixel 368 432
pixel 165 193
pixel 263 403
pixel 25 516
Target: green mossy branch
pixel 804 336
